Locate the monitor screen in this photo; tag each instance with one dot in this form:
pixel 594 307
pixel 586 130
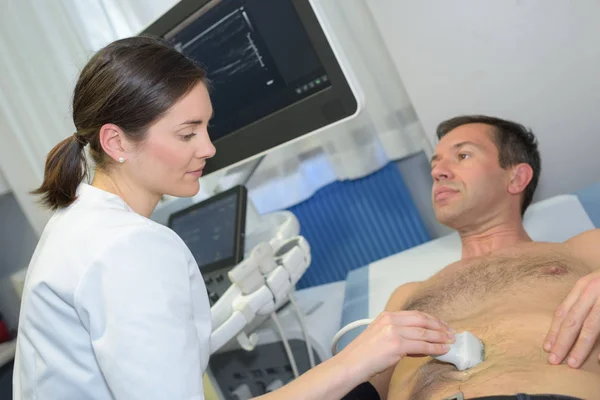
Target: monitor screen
pixel 213 229
pixel 273 75
pixel 257 55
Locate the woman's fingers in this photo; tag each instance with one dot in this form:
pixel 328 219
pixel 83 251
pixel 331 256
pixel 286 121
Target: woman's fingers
pixel 421 348
pixel 426 335
pixel 415 333
pixel 413 318
pixel 394 335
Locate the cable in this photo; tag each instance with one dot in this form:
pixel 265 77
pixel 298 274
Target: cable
pixel 311 356
pixel 288 349
pixel 346 329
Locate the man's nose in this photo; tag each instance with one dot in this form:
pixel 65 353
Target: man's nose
pixel 441 171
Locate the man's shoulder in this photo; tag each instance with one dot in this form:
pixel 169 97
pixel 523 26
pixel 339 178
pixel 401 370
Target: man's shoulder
pixel 586 246
pixel 588 237
pixel 401 295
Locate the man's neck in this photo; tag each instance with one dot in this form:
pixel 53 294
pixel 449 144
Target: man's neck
pixel 496 237
pixel 139 201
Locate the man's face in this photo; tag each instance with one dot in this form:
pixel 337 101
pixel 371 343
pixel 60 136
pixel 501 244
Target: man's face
pixel 468 182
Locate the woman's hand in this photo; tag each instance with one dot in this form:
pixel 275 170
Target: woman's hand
pixel 391 336
pixel 394 335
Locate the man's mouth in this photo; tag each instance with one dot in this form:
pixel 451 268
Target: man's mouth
pixel 443 193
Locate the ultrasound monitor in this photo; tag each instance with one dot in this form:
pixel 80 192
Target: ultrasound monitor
pixel 273 74
pixel 214 231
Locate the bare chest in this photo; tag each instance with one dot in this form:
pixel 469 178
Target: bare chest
pixel 544 273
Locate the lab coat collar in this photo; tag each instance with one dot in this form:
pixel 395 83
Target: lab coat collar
pixel 87 192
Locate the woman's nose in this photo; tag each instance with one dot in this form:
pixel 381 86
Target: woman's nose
pixel 206 148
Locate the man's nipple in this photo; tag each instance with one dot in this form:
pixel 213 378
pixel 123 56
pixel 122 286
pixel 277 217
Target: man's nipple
pixel 555 270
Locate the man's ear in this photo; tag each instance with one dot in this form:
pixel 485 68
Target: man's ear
pixel 520 177
pixel 112 140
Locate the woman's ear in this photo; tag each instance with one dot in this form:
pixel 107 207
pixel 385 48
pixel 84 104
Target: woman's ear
pixel 521 175
pixel 113 142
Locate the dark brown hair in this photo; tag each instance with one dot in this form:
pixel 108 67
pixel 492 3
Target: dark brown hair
pixel 516 144
pixel 130 83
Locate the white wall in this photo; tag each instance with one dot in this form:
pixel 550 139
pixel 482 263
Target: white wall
pixel 534 61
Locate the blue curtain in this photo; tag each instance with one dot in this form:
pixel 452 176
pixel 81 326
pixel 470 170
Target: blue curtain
pixel 350 224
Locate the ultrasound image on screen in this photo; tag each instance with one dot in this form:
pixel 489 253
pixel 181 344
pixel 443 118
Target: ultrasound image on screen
pixel 229 53
pixel 257 56
pixel 229 50
pixel 209 231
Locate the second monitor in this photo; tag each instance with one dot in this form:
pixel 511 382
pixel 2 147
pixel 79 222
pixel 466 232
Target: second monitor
pixel 214 232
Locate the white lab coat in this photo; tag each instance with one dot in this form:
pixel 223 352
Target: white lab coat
pixel 114 307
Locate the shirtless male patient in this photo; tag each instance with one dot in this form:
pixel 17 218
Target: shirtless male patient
pixel 536 306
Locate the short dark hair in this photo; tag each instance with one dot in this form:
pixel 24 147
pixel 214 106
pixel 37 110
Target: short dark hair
pixel 131 83
pixel 516 144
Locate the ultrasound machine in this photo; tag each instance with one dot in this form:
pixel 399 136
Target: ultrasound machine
pixel 272 350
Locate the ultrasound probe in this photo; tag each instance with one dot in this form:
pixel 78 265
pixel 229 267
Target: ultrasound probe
pixel 466 352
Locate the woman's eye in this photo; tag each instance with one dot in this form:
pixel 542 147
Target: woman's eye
pixel 188 137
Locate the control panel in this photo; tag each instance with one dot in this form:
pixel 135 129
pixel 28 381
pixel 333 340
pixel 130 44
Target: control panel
pixel 242 374
pixel 217 282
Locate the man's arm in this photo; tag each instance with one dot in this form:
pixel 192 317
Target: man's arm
pixel 396 302
pixel 576 324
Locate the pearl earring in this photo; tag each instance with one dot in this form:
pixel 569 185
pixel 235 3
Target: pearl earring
pixel 121 160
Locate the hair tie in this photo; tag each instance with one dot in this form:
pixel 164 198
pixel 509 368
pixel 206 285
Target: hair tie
pixel 82 141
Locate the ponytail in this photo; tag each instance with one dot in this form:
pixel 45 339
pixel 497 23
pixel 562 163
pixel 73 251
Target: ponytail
pixel 65 169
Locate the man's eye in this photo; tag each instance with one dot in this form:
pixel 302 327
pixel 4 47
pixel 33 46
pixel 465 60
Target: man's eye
pixel 462 156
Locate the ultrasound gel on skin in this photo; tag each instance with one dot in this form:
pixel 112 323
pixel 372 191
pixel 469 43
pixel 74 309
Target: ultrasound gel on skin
pixel 466 352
